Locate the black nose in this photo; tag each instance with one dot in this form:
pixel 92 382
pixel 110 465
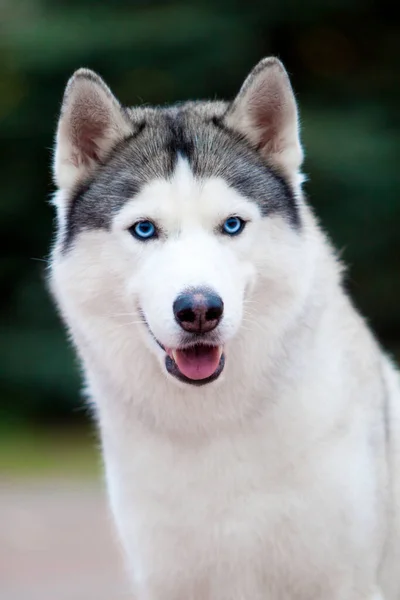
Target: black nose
pixel 198 310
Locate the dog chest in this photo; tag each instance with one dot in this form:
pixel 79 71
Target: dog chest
pixel 230 516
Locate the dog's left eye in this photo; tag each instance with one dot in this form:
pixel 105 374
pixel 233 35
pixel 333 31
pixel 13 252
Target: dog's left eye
pixel 233 226
pixel 143 230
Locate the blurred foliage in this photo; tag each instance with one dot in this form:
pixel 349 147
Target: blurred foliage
pixel 32 452
pixel 342 55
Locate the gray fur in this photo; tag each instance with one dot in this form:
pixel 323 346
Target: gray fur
pixel 195 130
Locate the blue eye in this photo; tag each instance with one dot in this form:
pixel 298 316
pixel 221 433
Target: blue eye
pixel 233 226
pixel 143 230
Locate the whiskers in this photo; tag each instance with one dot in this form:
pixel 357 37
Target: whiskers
pixel 249 319
pixel 250 322
pixel 124 320
pixel 44 260
pixel 252 302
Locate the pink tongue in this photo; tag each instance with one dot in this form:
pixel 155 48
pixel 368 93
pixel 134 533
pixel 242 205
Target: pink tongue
pixel 199 362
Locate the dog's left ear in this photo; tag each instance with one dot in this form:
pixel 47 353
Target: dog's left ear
pixel 265 112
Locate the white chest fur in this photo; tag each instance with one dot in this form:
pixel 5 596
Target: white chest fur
pixel 246 515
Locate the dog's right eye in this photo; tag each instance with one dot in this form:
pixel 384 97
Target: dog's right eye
pixel 143 230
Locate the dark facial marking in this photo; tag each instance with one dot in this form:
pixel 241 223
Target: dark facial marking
pixel 178 142
pixel 253 178
pixel 193 132
pixel 94 202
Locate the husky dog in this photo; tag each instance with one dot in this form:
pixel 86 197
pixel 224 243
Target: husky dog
pixel 250 422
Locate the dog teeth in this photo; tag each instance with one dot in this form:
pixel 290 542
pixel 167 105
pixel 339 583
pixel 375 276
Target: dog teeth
pixel 174 355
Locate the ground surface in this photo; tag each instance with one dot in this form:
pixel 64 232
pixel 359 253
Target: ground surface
pixel 56 536
pixel 56 543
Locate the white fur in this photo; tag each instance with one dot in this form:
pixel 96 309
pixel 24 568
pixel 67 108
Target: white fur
pixel 270 482
pixel 274 482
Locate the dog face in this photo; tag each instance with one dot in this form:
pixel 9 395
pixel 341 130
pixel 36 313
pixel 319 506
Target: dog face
pixel 181 226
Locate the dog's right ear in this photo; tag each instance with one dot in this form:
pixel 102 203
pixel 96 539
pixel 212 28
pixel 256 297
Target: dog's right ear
pixel 91 123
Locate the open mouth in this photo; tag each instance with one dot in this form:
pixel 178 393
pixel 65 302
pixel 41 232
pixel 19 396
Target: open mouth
pixel 198 364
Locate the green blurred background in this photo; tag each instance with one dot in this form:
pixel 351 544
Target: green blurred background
pixel 343 58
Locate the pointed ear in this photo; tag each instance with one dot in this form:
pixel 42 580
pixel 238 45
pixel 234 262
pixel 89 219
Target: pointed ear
pixel 265 112
pixel 91 123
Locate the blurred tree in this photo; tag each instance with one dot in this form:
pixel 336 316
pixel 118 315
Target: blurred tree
pixel 342 55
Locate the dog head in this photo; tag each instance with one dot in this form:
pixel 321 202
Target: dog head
pixel 179 229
